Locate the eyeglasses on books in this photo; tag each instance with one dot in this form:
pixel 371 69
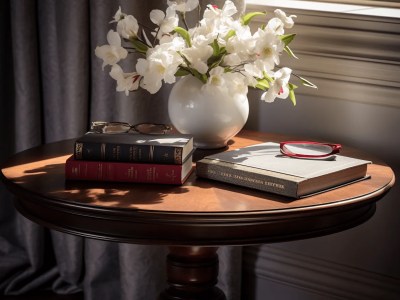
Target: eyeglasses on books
pixel 123 127
pixel 306 149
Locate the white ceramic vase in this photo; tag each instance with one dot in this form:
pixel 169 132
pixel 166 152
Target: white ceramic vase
pixel 211 116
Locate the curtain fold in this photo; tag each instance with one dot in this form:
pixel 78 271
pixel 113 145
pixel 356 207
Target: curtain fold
pixel 27 118
pixel 52 87
pixel 63 30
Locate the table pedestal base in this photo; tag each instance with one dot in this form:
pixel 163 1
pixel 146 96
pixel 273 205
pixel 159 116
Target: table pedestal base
pixel 192 273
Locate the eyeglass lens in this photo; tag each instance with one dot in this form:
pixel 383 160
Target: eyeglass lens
pixel 148 128
pixel 308 149
pixel 122 127
pixel 116 128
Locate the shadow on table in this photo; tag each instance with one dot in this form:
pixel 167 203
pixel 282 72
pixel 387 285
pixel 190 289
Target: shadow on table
pixel 49 179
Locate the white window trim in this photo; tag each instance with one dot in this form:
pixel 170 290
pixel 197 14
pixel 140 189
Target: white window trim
pixel 364 8
pixel 378 3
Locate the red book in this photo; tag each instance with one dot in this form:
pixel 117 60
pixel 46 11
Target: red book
pixel 127 172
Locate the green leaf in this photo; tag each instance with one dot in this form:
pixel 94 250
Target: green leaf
pixel 292 97
pixel 290 52
pixel 287 38
pixel 306 82
pixel 230 34
pixel 218 55
pixel 247 18
pixel 267 77
pixel 262 84
pixel 185 34
pixel 182 72
pixel 215 47
pixel 215 61
pixel 217 50
pixel 139 46
pixel 228 69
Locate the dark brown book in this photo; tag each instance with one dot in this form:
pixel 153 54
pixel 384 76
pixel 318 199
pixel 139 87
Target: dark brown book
pixel 128 147
pixel 263 167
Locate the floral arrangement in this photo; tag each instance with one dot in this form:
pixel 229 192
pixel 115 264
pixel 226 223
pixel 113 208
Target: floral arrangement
pixel 220 51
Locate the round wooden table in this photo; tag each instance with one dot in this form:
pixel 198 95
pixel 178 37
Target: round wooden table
pixel 193 219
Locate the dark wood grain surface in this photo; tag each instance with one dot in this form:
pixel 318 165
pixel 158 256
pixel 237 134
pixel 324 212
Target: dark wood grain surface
pixel 200 212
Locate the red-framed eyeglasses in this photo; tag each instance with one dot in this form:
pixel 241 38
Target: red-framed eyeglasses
pixel 307 149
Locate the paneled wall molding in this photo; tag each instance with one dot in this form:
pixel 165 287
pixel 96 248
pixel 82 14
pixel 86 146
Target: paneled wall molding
pixel 350 57
pixel 347 79
pixel 328 279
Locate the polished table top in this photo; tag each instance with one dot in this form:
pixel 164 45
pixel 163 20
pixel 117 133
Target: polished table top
pixel 200 212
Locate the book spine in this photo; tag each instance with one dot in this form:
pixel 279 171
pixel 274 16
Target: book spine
pixel 128 153
pixel 246 178
pixel 122 172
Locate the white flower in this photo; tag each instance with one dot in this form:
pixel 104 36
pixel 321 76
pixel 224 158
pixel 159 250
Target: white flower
pixel 112 53
pixel 152 73
pixel 216 77
pixel 161 64
pixel 175 44
pixel 279 88
pixel 198 57
pixel 226 82
pixel 229 9
pixel 166 22
pixel 236 83
pixel 213 12
pixel 218 22
pixel 280 22
pixel 128 27
pixel 118 16
pixel 183 5
pixel 232 59
pixel 287 21
pixel 216 80
pixel 268 47
pixel 276 25
pixel 126 82
pixel 242 43
pixel 257 69
pixel 203 34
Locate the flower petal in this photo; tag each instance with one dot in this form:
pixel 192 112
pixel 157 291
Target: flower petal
pixel 157 16
pixel 116 72
pixel 113 38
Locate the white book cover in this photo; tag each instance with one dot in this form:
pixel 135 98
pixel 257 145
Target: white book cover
pixel 264 167
pixel 267 156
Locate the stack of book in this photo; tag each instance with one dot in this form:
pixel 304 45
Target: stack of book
pixel 126 157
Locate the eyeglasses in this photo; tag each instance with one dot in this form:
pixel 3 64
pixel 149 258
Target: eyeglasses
pixel 123 127
pixel 306 149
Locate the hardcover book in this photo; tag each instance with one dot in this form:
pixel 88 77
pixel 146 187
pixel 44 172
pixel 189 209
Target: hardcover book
pixel 263 167
pixel 128 147
pixel 127 171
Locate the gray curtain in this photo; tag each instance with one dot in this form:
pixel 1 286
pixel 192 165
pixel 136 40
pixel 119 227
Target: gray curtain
pixel 52 86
